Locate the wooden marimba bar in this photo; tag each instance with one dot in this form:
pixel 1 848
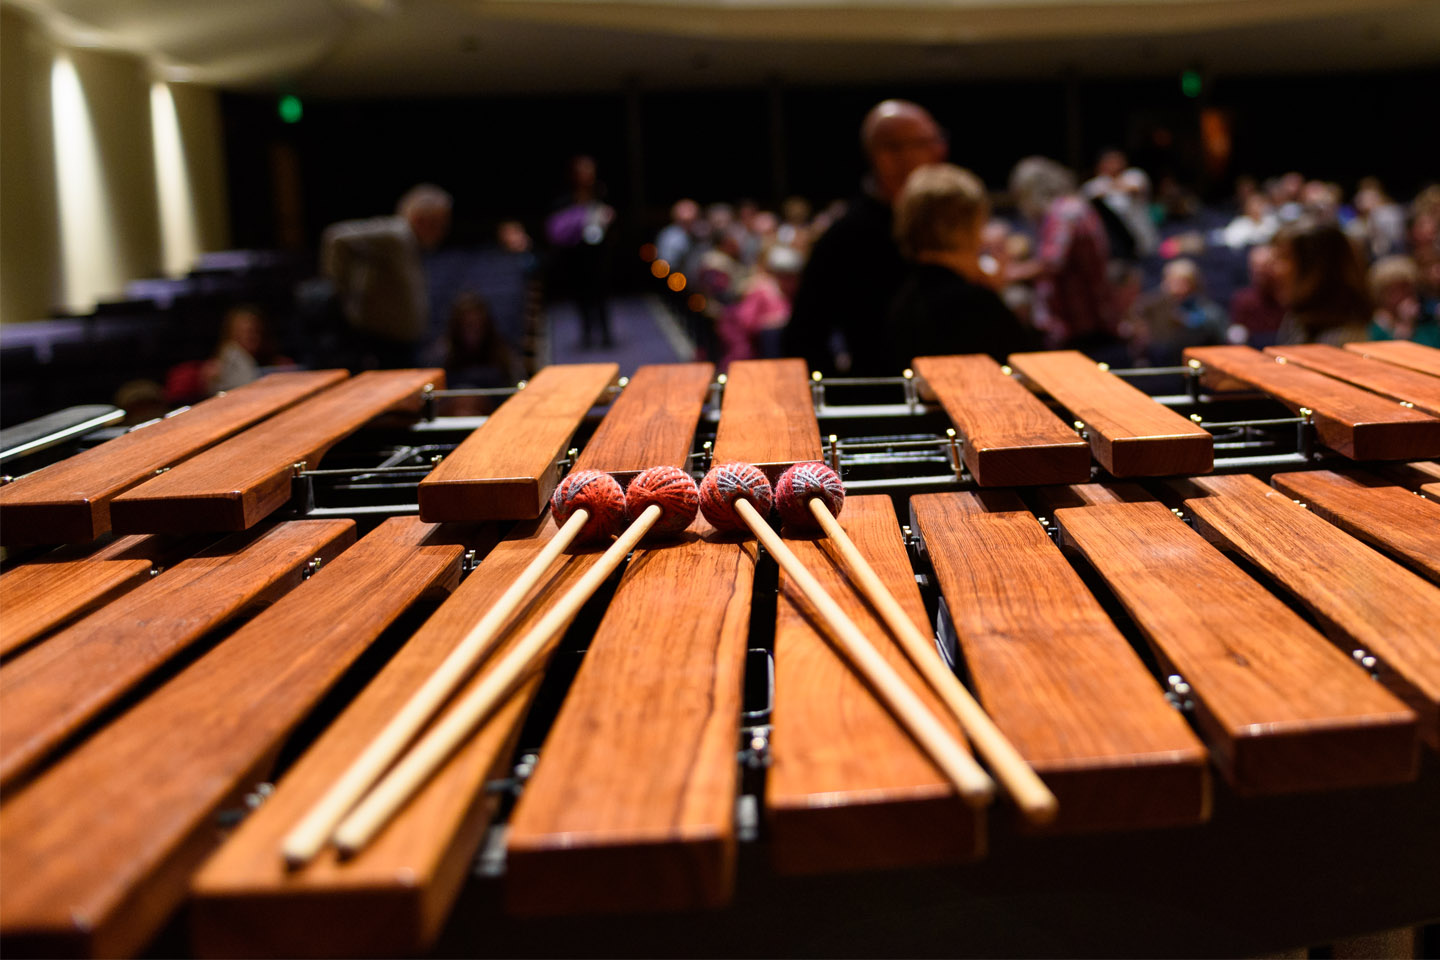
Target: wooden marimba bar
pixel 1182 637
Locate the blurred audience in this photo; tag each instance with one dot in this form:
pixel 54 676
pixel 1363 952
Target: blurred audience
pixel 1108 166
pixel 1075 304
pixel 1284 193
pixel 244 350
pixel 1320 279
pixel 1379 221
pixel 855 267
pixel 1256 309
pixel 1066 282
pixel 753 325
pixel 476 355
pixel 1175 317
pixel 578 229
pixel 144 400
pixel 795 224
pixel 511 236
pixel 1121 196
pixel 1255 224
pixel 677 238
pixel 1320 200
pixel 947 302
pixel 1399 313
pixel 375 268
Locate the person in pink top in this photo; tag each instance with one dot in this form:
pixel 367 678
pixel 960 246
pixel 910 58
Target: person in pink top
pixel 1076 306
pixel 752 326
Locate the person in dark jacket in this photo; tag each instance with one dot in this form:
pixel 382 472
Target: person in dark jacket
pixel 855 268
pixel 947 304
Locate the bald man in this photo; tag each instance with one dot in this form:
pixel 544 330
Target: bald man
pixel 855 267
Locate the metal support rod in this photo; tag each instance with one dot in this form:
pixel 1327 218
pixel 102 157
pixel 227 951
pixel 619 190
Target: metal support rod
pixel 1305 433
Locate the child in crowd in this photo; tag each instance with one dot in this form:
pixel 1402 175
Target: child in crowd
pixel 476 353
pixel 1399 315
pixel 752 326
pixel 1175 317
pixel 238 359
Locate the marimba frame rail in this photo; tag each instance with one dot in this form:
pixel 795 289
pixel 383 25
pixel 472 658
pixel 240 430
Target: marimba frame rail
pixel 368 476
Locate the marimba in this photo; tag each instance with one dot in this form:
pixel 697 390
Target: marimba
pixel 1211 624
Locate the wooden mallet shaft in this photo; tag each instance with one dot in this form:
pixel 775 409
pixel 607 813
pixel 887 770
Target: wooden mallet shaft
pixel 1029 792
pixel 412 772
pixel 311 833
pixel 971 782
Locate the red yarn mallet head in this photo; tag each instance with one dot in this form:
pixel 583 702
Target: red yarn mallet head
pixel 803 483
pixel 601 497
pixel 670 488
pixel 730 482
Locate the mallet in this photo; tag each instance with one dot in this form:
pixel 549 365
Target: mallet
pixel 662 497
pixel 589 505
pixel 810 496
pixel 733 497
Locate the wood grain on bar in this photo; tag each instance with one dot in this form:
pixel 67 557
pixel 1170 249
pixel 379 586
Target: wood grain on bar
pixel 1046 500
pixel 632 806
pixel 1428 469
pixel 1010 437
pixel 847 787
pixel 767 416
pixel 1430 489
pixel 1131 434
pixel 1282 709
pixel 1351 421
pixel 107 838
pixel 1401 353
pixel 52 691
pixel 1386 516
pixel 651 423
pixel 1398 383
pixel 508 467
pixel 1419 475
pixel 52 590
pixel 1055 674
pixel 392 897
pixel 240 482
pixel 69 501
pixel 1359 597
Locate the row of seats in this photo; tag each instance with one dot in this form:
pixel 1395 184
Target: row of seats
pixel 71 359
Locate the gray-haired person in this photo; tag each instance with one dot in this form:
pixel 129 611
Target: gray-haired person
pixel 379 280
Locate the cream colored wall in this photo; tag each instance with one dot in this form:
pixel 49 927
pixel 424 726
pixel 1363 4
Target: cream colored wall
pixel 109 219
pixel 84 174
pixel 29 244
pixel 190 172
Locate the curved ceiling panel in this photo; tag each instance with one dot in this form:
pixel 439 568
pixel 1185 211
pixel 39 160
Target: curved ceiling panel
pixel 399 47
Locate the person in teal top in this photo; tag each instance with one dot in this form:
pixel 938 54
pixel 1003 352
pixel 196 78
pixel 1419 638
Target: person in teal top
pixel 1400 314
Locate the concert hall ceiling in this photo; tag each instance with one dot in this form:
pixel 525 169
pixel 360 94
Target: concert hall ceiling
pixel 414 47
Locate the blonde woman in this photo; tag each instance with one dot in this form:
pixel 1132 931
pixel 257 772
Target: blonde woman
pixel 947 303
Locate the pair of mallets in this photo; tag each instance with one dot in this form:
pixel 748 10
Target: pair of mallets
pixel 590 505
pixel 810 496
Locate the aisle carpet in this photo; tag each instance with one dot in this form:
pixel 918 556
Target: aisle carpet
pixel 641 327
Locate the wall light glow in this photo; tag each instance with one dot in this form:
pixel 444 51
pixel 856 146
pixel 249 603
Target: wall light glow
pixel 179 229
pixel 89 254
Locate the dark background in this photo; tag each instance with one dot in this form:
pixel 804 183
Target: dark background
pixel 505 157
